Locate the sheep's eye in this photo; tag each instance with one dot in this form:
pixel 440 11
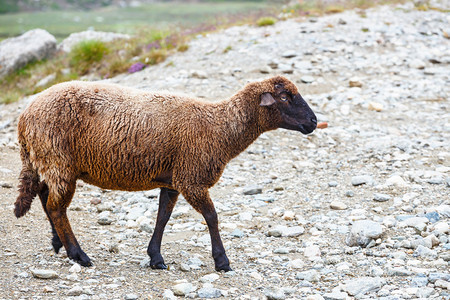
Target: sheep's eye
pixel 284 98
pixel 278 86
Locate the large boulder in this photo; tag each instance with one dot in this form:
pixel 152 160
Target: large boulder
pixel 75 38
pixel 17 52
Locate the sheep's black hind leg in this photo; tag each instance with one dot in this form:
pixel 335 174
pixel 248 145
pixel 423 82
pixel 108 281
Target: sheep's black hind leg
pixel 43 195
pixel 58 200
pixel 167 200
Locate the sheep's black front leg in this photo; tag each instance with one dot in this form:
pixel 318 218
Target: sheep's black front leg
pixel 43 195
pixel 218 251
pixel 167 200
pixel 199 198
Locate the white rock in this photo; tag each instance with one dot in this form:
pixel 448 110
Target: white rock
pixel 307 79
pixel 296 264
pixel 338 205
pixel 312 251
pixel 168 294
pixel 375 106
pixel 441 227
pixel 75 291
pixel 184 288
pixel 362 286
pixel 210 277
pixel 396 180
pixel 363 232
pixel 75 38
pixel 44 274
pixel 245 216
pixel 17 52
pixel 76 268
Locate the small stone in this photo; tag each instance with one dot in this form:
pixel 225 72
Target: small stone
pixel 256 275
pixel 44 274
pixel 281 251
pixel 237 233
pixel 424 292
pixel 208 292
pixel 293 231
pixel 265 70
pixel 245 216
pixel 307 79
pixel 185 267
pixel 433 217
pixel 362 286
pixel 5 185
pixel 76 268
pixel 168 294
pixel 199 74
pixel 75 291
pixel 375 106
pixel 363 232
pixel 286 69
pixel 184 288
pixel 275 294
pixel 209 277
pixel 425 252
pixel 342 21
pixel 338 205
pixel 398 271
pixel 442 227
pixel 332 184
pixel 289 215
pixel 310 275
pixel 361 179
pixel 381 197
pixel 96 201
pixel 432 277
pixel 397 181
pixel 419 281
pixel 335 296
pixel 349 194
pixel 355 82
pixel 252 190
pixel 417 64
pixel 48 289
pixel 131 297
pixel 296 264
pixel 442 284
pixel 289 54
pixel 315 297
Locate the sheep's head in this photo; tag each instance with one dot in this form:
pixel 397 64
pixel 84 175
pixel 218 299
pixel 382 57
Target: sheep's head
pixel 286 107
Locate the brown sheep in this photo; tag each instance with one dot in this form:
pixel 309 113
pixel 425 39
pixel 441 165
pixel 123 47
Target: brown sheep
pixel 121 138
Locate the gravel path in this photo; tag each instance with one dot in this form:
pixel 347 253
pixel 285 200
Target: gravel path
pixel 359 210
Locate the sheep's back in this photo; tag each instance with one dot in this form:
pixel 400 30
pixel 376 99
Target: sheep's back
pixel 103 133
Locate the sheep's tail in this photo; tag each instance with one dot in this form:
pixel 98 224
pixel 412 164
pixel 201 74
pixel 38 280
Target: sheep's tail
pixel 28 186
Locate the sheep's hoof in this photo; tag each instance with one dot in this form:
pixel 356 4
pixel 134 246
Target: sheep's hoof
pixel 81 258
pixel 224 269
pixel 160 266
pixel 56 243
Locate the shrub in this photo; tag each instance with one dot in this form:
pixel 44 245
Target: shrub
pixel 155 56
pixel 266 21
pixel 183 48
pixel 87 53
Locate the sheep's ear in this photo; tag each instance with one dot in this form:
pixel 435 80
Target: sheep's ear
pixel 267 99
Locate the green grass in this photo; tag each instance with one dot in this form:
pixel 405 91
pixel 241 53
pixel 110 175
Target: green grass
pixel 86 54
pixel 266 21
pixel 125 20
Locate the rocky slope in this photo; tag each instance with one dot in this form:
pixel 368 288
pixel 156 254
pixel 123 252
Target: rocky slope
pixel 357 210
